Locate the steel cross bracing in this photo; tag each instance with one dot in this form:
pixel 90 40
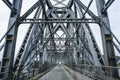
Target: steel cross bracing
pixel 57 33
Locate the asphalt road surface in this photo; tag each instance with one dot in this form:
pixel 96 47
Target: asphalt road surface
pixel 60 73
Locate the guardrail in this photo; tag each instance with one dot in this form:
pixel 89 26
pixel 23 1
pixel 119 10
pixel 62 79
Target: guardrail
pixel 34 72
pixel 28 74
pixel 95 72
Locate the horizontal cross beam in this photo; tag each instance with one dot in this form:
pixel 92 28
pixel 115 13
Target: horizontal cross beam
pixel 59 21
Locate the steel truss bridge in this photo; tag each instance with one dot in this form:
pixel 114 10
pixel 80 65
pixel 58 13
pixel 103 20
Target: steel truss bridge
pixel 59 44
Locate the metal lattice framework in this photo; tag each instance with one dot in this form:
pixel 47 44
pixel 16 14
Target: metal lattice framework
pixel 58 31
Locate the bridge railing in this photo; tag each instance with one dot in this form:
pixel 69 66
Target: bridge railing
pixel 96 72
pixel 34 72
pixel 26 74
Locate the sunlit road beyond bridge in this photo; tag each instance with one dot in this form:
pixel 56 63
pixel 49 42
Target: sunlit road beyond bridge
pixel 59 43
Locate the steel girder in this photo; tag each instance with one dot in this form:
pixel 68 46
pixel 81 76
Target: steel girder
pixel 69 12
pixel 28 44
pixel 43 43
pixel 8 56
pixel 107 40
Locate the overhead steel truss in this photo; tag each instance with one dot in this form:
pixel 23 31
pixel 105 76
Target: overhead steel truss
pixel 57 32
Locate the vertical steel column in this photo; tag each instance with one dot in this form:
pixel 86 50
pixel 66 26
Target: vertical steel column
pixel 107 40
pixel 8 56
pixel 77 32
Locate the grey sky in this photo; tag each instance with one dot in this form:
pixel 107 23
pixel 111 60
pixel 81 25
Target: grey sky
pixel 114 13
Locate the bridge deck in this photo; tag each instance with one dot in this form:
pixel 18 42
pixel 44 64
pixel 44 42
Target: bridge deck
pixel 61 73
